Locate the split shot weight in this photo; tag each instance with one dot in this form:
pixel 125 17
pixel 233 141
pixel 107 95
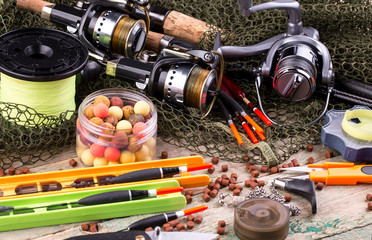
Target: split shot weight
pixel 38 69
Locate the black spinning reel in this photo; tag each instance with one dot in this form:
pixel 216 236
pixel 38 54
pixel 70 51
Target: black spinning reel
pixel 296 61
pixel 177 76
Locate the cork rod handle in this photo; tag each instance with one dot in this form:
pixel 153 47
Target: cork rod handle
pixel 35 5
pixel 153 41
pixel 184 27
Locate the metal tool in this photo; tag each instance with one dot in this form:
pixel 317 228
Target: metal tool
pixel 157 234
pixel 335 173
pixel 349 132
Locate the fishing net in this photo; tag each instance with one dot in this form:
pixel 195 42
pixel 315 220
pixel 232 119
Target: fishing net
pixel 344 27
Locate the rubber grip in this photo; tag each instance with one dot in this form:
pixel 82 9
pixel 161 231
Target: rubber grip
pixel 35 5
pixel 140 175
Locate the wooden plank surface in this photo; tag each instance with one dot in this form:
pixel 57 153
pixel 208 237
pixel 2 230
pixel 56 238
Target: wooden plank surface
pixel 342 212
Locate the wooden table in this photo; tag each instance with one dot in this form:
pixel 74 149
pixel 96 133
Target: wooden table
pixel 342 210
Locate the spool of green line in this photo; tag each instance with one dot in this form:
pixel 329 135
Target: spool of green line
pixel 38 69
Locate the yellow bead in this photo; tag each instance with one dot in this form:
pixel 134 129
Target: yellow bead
pixel 124 125
pixel 143 154
pixel 116 112
pixel 100 161
pixel 142 107
pixel 87 158
pixel 127 157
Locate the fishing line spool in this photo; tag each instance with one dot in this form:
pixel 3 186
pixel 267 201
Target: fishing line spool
pixel 38 69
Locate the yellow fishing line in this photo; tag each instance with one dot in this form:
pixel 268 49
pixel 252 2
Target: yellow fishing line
pixel 48 97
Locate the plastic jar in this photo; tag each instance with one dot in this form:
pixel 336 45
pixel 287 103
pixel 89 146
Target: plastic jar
pixel 99 145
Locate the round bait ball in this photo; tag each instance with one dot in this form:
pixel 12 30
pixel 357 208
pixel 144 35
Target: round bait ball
pixel 97 150
pixel 116 101
pixel 125 126
pixel 96 120
pixel 101 110
pixel 139 127
pixel 142 107
pixel 135 118
pixel 142 154
pixel 127 157
pixel 112 154
pixel 121 139
pixel 87 158
pixel 116 111
pixel 113 163
pixel 100 161
pixel 82 141
pixel 107 128
pixel 134 145
pixel 128 110
pixel 111 119
pixel 88 111
pixel 102 99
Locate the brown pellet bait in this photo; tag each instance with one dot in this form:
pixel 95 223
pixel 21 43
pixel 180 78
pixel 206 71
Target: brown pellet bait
pixel 72 162
pixel 165 225
pixel 220 230
pixel 253 185
pixel 253 179
pixel 215 160
pixel 211 185
pixel 224 176
pixel 247 183
pixel 248 165
pixel 174 222
pixel 231 186
pixel 224 168
pixel 234 175
pixel 273 170
pixel 206 190
pixel 168 229
pixel 225 182
pixel 329 155
pixel 11 170
pixel 18 172
pixel 93 227
pixel 222 223
pixel 236 192
pixel 287 197
pixel 211 170
pixel 264 168
pixel 369 206
pixel 180 226
pixel 290 164
pixel 85 227
pixel 310 160
pixel 190 217
pixel 295 162
pixel 25 170
pixel 193 154
pixel 233 180
pixel 285 165
pixel 252 168
pixel 239 187
pixel 309 147
pixel 261 183
pixel 369 197
pixel 245 159
pixel 190 224
pixel 189 192
pixel 217 186
pixel 164 155
pixel 218 180
pixel 213 193
pixel 319 185
pixel 255 173
pixel 188 199
pixel 198 219
pixel 206 197
pixel 149 229
pixel 2 171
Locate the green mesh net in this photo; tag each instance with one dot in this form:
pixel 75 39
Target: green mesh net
pixel 344 27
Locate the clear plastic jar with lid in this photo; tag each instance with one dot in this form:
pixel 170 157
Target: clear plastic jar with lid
pixel 116 126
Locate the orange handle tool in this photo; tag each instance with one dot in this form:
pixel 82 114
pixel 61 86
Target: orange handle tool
pixel 343 176
pixel 332 165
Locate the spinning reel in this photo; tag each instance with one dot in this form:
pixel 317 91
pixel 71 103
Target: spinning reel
pixel 296 61
pixel 181 78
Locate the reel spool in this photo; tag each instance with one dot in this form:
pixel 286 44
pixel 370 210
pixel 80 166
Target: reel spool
pixel 38 69
pixel 261 218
